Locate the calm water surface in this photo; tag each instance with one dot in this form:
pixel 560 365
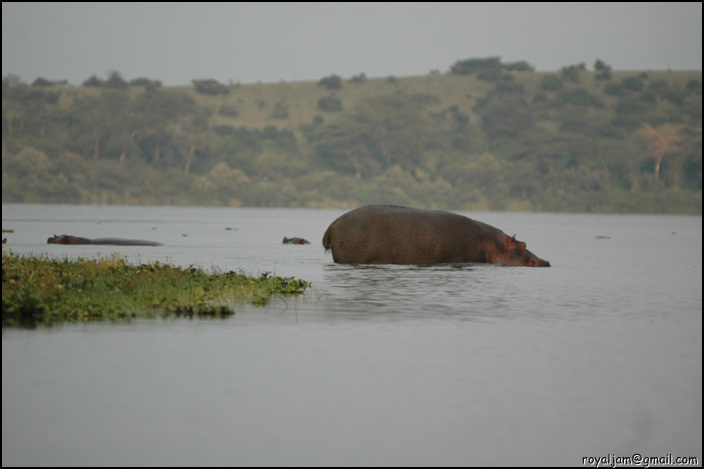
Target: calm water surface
pixel 395 365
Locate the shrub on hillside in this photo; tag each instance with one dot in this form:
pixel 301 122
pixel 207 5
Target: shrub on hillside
pixel 210 87
pixel 330 104
pixel 333 82
pixel 550 83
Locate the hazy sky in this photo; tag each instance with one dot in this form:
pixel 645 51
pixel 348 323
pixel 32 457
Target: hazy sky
pixel 270 42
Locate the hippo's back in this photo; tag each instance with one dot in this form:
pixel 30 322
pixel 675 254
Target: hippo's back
pixel 390 234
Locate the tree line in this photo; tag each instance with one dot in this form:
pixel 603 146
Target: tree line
pixel 509 139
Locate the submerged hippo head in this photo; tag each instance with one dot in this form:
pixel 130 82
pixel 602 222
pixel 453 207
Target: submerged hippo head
pixel 514 252
pixel 295 241
pixel 62 239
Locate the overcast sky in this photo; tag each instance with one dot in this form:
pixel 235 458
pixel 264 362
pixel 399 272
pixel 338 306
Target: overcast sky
pixel 270 42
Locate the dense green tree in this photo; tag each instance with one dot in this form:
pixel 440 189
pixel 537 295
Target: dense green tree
pixel 601 66
pixel 633 83
pixel 330 104
pixel 571 73
pixel 93 81
pixel 476 65
pixel 361 78
pixel 211 87
pixel 550 83
pixel 43 82
pixel 153 112
pixel 505 115
pixel 333 82
pixel 116 81
pixel 520 66
pixel 345 145
pixel 397 128
pixel 146 82
pixel 26 109
pixel 382 132
pixel 101 125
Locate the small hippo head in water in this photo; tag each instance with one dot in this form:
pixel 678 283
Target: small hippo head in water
pixel 295 241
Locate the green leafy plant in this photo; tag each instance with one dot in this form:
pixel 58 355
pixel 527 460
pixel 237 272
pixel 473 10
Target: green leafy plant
pixel 38 290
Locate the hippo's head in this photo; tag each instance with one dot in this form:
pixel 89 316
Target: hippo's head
pixel 514 252
pixel 63 239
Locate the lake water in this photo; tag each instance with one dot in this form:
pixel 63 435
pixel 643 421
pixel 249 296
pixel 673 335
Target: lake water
pixel 599 355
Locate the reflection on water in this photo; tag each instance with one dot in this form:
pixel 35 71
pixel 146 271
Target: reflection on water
pixel 376 365
pixel 431 292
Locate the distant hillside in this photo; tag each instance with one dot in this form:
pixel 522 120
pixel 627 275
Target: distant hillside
pixel 490 138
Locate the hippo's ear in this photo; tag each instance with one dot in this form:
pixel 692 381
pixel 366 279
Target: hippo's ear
pixel 512 242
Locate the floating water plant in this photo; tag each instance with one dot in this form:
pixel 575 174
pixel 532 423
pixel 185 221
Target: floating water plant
pixel 38 290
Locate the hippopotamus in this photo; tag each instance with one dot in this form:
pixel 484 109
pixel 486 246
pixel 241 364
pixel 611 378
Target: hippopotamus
pixel 295 241
pixel 68 239
pixel 390 234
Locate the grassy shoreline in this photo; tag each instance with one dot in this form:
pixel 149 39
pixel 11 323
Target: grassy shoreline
pixel 39 290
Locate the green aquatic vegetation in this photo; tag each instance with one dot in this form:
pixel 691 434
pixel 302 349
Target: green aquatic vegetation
pixel 38 290
pixel 278 286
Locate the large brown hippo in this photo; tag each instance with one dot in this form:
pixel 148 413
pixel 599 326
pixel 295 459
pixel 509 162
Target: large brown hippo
pixel 390 234
pixel 68 239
